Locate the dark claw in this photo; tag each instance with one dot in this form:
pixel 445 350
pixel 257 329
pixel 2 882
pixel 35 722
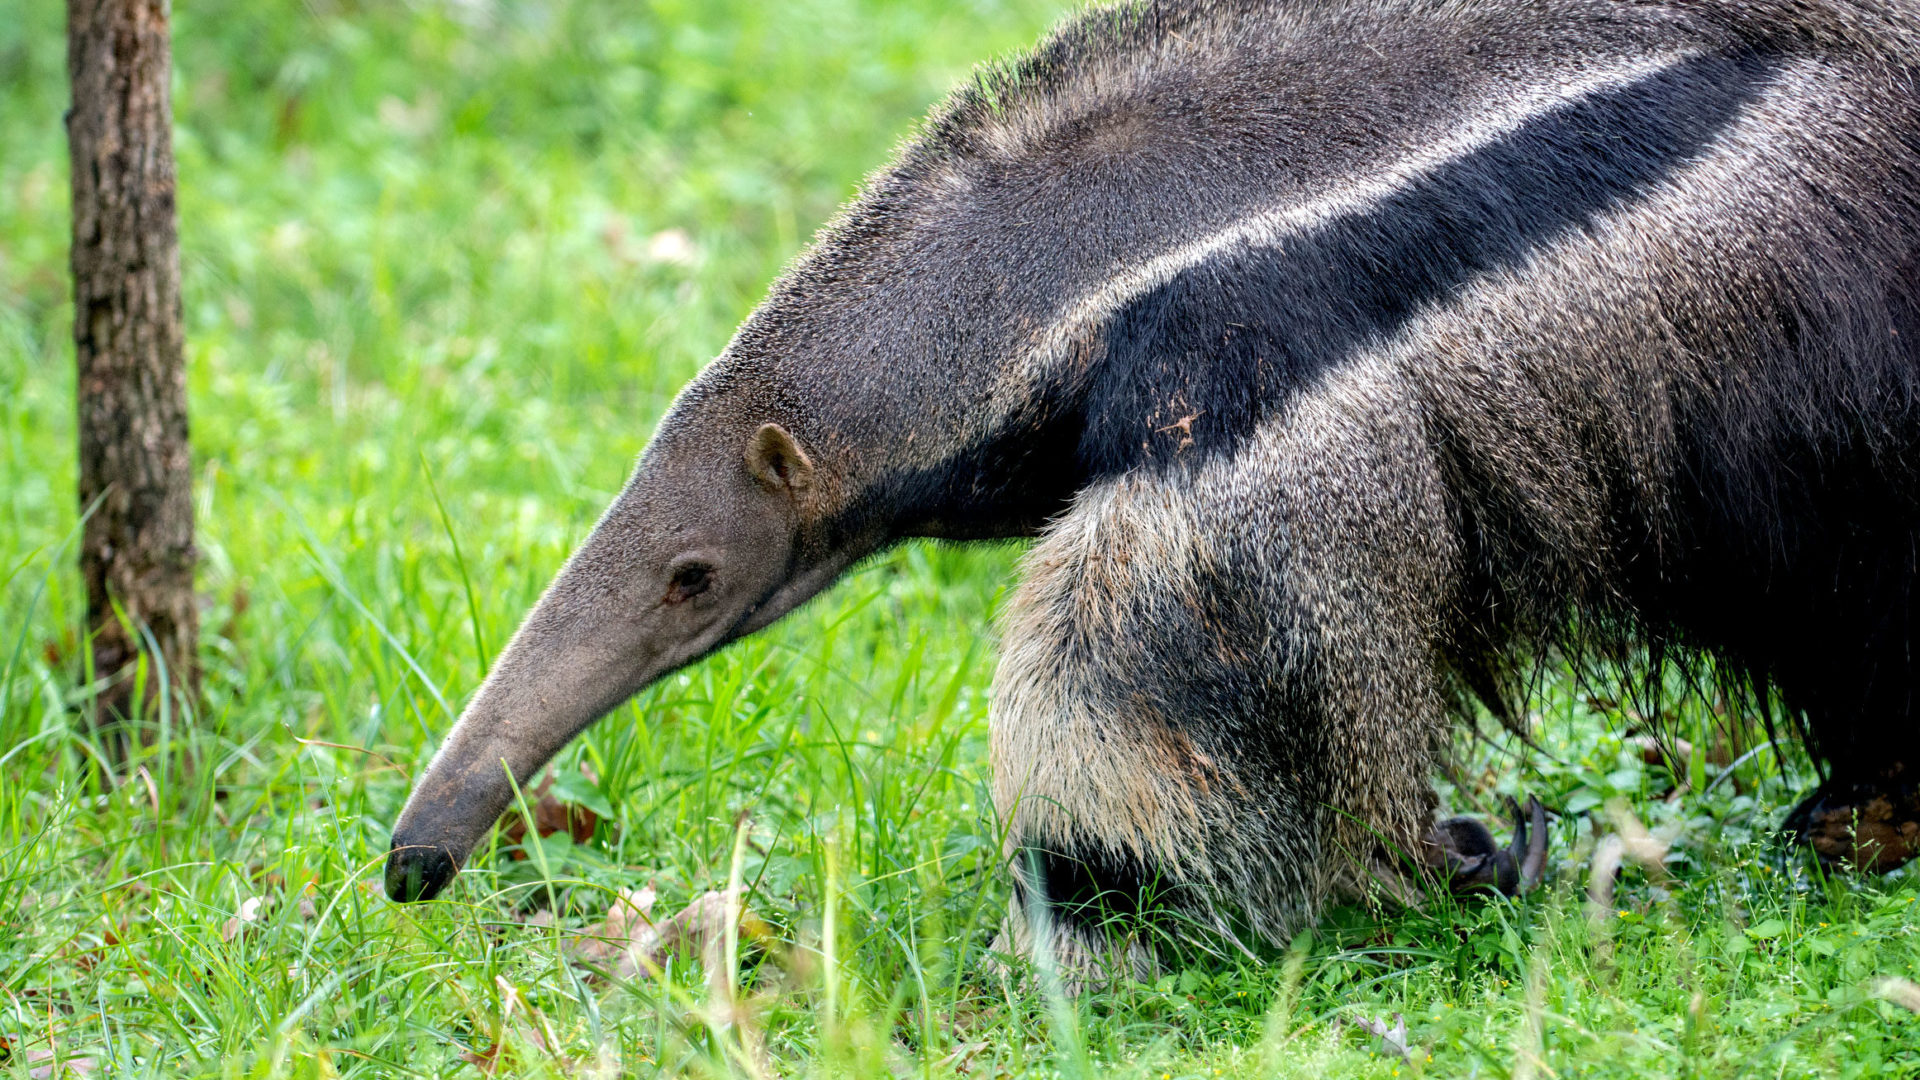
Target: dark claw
pixel 1529 851
pixel 1870 828
pixel 1464 852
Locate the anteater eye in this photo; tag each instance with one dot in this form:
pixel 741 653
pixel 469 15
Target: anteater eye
pixel 687 582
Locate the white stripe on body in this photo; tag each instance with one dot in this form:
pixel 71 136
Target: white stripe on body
pixel 1272 227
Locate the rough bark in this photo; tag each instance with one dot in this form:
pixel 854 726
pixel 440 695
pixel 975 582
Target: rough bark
pixel 137 546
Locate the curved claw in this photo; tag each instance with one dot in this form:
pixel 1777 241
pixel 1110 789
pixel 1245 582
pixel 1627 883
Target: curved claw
pixel 1529 849
pixel 1464 852
pixel 1870 828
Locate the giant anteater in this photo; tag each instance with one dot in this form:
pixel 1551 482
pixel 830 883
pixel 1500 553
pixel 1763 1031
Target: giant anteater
pixel 1342 355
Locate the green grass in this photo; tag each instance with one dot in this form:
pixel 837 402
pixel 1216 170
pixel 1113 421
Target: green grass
pixel 472 247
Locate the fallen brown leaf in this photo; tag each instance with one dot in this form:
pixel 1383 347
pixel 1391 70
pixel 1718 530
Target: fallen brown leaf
pixel 57 650
pixel 153 791
pixel 1391 1039
pixel 88 959
pixel 237 610
pixel 623 936
pixel 1654 751
pixel 46 1065
pixel 961 1059
pixel 629 942
pixel 550 816
pixel 249 915
pixel 1630 840
pixel 486 1060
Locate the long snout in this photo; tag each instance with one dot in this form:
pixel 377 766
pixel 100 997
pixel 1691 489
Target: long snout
pixel 506 732
pixel 572 662
pixel 459 798
pixel 598 636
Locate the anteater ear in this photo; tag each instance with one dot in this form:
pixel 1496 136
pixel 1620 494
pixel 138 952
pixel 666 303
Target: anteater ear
pixel 776 460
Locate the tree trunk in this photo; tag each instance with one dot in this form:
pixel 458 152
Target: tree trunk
pixel 137 546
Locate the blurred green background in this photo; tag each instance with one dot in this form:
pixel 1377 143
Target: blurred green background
pixel 446 261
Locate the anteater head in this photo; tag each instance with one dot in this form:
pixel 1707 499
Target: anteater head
pixel 873 396
pixel 709 540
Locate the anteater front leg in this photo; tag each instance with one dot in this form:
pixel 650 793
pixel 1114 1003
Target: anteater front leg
pixel 1219 695
pixel 1141 790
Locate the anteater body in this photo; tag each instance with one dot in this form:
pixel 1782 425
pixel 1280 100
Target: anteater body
pixel 1343 357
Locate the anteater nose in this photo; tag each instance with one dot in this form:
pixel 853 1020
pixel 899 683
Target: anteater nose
pixel 417 871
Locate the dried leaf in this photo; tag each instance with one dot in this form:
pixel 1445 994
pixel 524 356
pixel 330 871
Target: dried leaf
pixel 46 1065
pixel 237 610
pixel 1391 1039
pixel 550 815
pixel 153 791
pixel 629 943
pixel 485 1060
pixel 1654 751
pixel 88 959
pixel 960 1060
pixel 625 936
pixel 251 910
pixel 1631 840
pixel 1643 847
pixel 57 650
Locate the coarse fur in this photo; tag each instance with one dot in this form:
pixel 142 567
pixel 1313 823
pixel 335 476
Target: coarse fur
pixel 1344 357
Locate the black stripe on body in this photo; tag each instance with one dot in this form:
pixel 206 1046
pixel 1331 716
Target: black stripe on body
pixel 1192 367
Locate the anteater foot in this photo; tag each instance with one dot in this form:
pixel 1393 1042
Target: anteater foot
pixel 1079 957
pixel 1463 852
pixel 1865 827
